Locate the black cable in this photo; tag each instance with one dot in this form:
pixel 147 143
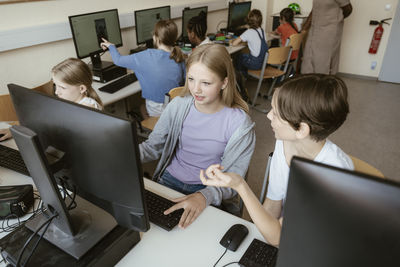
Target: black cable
pixel 37 241
pixel 233 262
pixel 30 238
pixel 215 264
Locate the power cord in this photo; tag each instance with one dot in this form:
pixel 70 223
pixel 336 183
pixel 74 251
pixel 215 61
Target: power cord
pixel 222 21
pixel 46 223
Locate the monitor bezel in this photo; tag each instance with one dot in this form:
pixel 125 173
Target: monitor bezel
pixel 143 10
pixel 228 26
pixel 74 37
pixel 183 16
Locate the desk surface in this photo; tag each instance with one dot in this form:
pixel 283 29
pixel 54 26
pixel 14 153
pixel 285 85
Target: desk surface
pixel 197 245
pixel 108 98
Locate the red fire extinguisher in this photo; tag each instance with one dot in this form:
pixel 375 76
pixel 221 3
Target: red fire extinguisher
pixel 376 38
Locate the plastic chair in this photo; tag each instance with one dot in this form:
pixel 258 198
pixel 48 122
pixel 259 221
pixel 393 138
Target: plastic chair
pixel 295 41
pixel 364 167
pixel 150 122
pixel 275 65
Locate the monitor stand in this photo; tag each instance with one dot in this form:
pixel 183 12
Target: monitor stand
pixel 98 64
pixel 91 223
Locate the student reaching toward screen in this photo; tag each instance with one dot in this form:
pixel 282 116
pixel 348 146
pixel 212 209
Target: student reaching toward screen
pixel 73 82
pixel 208 124
pixel 305 111
pixel 158 70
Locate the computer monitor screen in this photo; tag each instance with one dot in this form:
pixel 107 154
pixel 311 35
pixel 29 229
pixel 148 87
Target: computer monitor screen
pixel 237 15
pixel 101 156
pixel 336 217
pixel 187 14
pixel 146 19
pixel 88 29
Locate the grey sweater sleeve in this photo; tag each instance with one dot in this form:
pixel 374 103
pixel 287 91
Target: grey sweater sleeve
pixel 236 158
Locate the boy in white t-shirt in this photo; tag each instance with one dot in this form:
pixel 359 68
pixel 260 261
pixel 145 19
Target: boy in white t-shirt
pixel 305 110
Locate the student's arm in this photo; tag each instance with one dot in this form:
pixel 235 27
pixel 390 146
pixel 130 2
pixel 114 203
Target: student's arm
pixel 237 41
pixel 347 9
pixel 6 134
pixel 122 61
pixel 268 225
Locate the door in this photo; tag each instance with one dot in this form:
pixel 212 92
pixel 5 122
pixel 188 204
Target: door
pixel 390 71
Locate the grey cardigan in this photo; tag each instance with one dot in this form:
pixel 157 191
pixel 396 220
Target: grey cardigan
pixel 164 139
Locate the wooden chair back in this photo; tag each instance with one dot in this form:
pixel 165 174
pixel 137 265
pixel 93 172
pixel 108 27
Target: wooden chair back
pixel 278 55
pixel 7 111
pixel 364 167
pixel 296 41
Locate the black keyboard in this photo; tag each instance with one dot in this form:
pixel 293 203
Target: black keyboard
pixel 156 205
pixel 11 159
pixel 118 84
pixel 259 254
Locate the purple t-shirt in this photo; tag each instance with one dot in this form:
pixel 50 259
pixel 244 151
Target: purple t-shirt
pixel 203 141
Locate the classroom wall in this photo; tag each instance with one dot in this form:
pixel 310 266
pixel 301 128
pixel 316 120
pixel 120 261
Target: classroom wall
pixel 30 66
pixel 357 34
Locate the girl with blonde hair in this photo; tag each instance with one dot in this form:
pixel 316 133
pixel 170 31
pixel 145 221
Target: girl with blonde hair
pixel 208 124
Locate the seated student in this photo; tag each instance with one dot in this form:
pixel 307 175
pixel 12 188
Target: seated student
pixel 158 70
pixel 255 38
pixel 197 29
pixel 286 28
pixel 73 81
pixel 208 124
pixel 305 111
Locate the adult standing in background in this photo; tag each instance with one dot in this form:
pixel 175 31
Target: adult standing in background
pixel 325 27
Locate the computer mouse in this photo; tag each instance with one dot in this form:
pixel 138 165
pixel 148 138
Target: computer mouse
pixel 234 236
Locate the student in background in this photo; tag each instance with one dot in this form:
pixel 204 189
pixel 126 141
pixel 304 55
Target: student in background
pixel 73 81
pixel 208 124
pixel 286 28
pixel 325 28
pixel 158 70
pixel 255 38
pixel 305 111
pixel 197 29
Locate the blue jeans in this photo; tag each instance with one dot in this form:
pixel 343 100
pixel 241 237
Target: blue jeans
pixel 168 180
pixel 244 62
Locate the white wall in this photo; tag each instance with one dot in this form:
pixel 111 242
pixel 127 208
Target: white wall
pixel 357 34
pixel 30 66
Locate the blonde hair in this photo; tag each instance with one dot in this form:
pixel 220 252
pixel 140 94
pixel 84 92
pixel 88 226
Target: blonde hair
pixel 75 72
pixel 217 59
pixel 167 32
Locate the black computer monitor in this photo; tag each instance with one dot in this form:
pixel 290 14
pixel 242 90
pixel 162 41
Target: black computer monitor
pixel 99 157
pixel 87 31
pixel 187 14
pixel 237 15
pixel 336 217
pixel 145 20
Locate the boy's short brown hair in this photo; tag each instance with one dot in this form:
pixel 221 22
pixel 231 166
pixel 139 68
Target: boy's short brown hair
pixel 318 100
pixel 254 19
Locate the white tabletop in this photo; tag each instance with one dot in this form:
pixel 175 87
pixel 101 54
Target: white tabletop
pixel 197 245
pixel 108 98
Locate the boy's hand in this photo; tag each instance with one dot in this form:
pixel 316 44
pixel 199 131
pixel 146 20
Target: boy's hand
pixel 193 205
pixel 5 134
pixel 218 178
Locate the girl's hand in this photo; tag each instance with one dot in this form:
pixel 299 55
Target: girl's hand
pixel 105 44
pixel 193 205
pixel 218 178
pixel 6 134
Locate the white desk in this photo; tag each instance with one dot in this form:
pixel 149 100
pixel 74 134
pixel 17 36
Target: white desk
pixel 123 93
pixel 197 245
